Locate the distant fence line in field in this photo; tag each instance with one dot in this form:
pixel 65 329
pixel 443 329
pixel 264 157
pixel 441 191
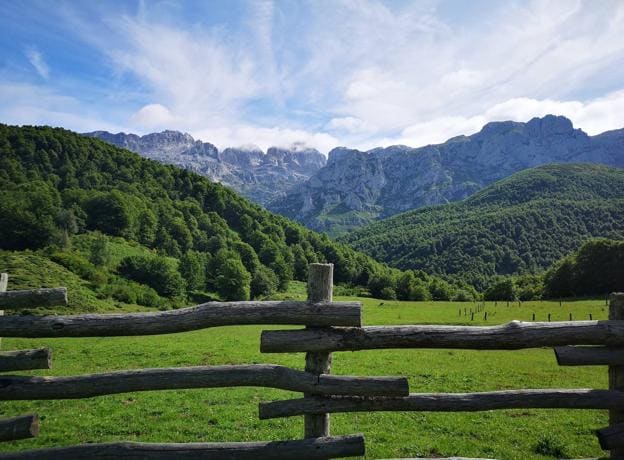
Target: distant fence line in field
pixel 330 326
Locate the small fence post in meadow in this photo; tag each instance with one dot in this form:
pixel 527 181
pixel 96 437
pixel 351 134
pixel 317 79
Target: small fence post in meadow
pixel 4 281
pixel 616 373
pixel 320 289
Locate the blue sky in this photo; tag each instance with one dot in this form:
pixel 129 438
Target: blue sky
pixel 325 73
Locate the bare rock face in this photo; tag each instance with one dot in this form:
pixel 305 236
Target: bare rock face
pixel 260 176
pixel 355 188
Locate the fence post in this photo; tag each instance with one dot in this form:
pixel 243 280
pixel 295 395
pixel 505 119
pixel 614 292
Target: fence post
pixel 4 281
pixel 616 373
pixel 320 285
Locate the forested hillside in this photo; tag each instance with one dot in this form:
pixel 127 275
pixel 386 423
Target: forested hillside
pixel 176 231
pixel 521 224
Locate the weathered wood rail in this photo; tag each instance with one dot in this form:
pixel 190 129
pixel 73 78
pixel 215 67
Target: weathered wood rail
pixel 330 326
pixel 211 314
pixel 21 427
pixel 589 356
pixel 449 402
pixel 47 297
pixel 247 375
pixel 23 360
pixel 311 449
pixel 511 336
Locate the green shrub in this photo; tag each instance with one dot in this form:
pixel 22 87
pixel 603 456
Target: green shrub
pixel 264 282
pixel 158 272
pixel 79 265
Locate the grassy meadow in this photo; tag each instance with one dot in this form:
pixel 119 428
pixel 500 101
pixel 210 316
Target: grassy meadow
pixel 231 414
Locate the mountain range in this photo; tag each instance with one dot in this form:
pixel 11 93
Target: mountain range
pixel 353 188
pixel 260 176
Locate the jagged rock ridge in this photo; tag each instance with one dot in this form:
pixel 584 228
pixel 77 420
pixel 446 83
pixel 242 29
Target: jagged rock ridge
pixel 259 176
pixel 355 188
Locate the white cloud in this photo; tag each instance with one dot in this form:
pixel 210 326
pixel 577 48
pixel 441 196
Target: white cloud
pixel 239 135
pixel 406 71
pixel 356 73
pixel 350 125
pixel 37 61
pixel 152 117
pixel 593 116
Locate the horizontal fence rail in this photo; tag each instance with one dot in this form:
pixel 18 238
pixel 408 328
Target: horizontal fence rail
pixel 202 316
pixel 312 449
pixel 45 297
pixel 255 375
pixel 589 356
pixel 449 402
pixel 23 360
pixel 510 336
pixel 611 437
pixel 21 427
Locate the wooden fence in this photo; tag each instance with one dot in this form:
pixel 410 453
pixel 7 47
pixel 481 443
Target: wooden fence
pixel 329 326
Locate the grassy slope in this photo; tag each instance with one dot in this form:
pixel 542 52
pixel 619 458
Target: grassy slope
pixel 231 414
pixel 33 269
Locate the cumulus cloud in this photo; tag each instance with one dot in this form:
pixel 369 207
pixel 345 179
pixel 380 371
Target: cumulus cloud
pixel 36 60
pixel 152 117
pixel 593 116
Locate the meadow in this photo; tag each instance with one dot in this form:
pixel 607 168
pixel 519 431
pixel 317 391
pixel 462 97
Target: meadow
pixel 231 414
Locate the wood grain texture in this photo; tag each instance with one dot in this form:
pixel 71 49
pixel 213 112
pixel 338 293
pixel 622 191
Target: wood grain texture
pixel 22 360
pixel 21 427
pixel 202 316
pixel 589 356
pixel 449 402
pixel 320 289
pixel 510 336
pixel 253 375
pixel 305 449
pixel 32 298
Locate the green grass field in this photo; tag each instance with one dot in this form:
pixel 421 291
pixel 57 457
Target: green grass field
pixel 231 414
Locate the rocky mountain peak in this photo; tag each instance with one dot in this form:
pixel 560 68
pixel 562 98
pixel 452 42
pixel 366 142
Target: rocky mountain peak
pixel 247 169
pixel 356 187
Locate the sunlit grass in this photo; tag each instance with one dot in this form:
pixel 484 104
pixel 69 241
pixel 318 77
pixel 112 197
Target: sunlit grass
pixel 231 414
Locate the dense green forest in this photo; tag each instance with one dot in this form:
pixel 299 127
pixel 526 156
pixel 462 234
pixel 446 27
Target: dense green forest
pixel 144 232
pixel 520 225
pixel 596 269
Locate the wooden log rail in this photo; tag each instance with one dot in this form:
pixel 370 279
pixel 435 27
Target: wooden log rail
pixel 202 316
pixel 22 427
pixel 510 336
pixel 611 437
pixel 449 402
pixel 589 356
pixel 310 449
pixel 256 375
pixel 31 298
pixel 23 360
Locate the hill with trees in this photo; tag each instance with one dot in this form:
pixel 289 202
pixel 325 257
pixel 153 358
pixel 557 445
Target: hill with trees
pixel 147 233
pixel 518 225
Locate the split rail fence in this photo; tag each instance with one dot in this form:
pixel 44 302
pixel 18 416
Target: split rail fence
pixel 329 326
